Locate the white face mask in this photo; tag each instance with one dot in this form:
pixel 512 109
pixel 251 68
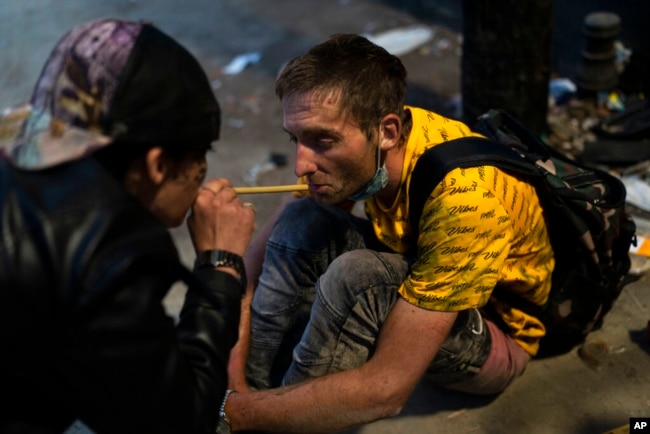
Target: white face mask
pixel 378 182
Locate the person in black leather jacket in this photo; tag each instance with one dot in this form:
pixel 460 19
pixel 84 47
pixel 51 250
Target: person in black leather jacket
pixel 108 154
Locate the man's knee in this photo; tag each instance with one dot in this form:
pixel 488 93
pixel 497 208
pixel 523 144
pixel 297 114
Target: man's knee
pixel 359 272
pixel 306 225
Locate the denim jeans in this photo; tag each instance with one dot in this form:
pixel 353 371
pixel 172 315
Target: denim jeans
pixel 325 290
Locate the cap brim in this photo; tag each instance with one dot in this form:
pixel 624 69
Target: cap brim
pixel 32 140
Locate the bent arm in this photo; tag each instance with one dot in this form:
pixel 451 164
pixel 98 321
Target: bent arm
pixel 254 259
pixel 343 400
pixel 135 370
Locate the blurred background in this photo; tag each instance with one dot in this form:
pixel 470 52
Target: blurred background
pixel 516 51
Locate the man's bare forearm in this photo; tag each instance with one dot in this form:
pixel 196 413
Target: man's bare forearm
pixel 332 403
pixel 343 400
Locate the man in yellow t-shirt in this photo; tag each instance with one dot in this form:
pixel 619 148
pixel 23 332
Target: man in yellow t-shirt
pixel 482 227
pixel 344 321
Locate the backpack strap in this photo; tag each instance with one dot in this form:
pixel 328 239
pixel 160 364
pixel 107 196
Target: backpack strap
pixel 437 161
pixel 505 128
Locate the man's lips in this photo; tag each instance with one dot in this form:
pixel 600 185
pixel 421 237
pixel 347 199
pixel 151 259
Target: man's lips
pixel 314 187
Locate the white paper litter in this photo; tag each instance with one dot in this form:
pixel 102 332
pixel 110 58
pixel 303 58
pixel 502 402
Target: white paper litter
pixel 240 62
pixel 638 192
pixel 403 39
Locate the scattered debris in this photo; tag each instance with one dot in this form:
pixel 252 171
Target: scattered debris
pixel 613 101
pixel 561 90
pixel 240 62
pixel 610 130
pixel 594 353
pixel 623 56
pixel 402 40
pixel 570 126
pixel 638 191
pixel 638 206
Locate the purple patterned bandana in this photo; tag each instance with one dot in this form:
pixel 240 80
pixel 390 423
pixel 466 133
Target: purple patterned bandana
pixel 74 92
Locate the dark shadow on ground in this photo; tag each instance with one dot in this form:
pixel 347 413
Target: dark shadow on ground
pixel 641 338
pixel 600 426
pixel 429 399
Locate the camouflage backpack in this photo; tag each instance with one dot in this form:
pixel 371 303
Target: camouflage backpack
pixel 584 207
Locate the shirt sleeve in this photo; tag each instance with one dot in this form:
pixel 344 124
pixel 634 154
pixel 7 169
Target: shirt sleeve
pixel 464 238
pixel 142 372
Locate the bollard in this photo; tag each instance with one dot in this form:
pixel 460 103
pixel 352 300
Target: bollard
pixel 597 71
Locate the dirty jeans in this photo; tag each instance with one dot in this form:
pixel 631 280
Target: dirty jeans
pixel 325 290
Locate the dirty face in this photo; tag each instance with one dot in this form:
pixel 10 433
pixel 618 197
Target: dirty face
pixel 179 190
pixel 332 152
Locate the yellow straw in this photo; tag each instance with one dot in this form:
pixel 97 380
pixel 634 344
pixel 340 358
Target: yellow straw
pixel 272 189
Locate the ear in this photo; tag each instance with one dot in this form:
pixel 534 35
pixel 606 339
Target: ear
pixel 156 165
pixel 390 131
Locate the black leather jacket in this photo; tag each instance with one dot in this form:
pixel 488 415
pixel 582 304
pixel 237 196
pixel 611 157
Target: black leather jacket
pixel 83 334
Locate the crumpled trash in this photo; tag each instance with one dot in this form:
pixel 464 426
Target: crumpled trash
pixel 642 246
pixel 612 100
pixel 638 191
pixel 594 353
pixel 623 56
pixel 633 123
pixel 240 62
pixel 638 206
pixel 402 40
pixel 561 90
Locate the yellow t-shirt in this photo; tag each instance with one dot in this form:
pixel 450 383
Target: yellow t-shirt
pixel 480 228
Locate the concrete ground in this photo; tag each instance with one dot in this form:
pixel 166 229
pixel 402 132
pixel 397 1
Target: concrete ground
pixel 559 395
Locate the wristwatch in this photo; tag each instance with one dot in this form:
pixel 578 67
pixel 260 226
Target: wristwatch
pixel 222 258
pixel 223 423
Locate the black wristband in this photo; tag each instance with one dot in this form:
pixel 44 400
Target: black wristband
pixel 222 258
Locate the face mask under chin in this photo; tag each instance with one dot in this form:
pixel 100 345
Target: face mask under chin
pixel 378 182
